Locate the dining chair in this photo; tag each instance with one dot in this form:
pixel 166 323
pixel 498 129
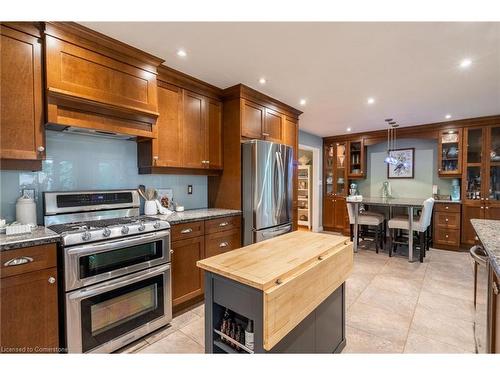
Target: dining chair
pixel 372 220
pixel 420 225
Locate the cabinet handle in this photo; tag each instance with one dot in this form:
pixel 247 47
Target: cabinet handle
pixel 278 281
pixel 52 280
pixel 446 236
pixel 223 244
pixel 155 160
pixel 171 251
pixel 40 149
pixel 446 219
pixel 482 208
pixel 494 286
pixel 320 257
pixel 18 261
pixel 361 172
pixel 487 199
pixel 225 223
pixel 487 207
pixel 265 134
pixel 446 208
pixel 187 230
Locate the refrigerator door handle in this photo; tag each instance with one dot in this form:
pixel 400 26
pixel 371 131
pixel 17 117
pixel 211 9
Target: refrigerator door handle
pixel 279 202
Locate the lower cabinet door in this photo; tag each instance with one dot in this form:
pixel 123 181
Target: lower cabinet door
pixel 29 312
pixel 187 278
pixel 328 213
pixel 468 213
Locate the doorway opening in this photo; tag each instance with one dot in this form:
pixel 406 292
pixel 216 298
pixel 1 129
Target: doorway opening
pixel 308 188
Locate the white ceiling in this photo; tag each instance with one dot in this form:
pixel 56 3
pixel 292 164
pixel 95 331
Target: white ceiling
pixel 411 69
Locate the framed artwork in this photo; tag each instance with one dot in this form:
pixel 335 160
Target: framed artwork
pixel 404 165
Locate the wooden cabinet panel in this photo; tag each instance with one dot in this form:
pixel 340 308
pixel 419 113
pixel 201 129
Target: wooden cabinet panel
pixel 29 311
pixel 21 116
pixel 446 236
pixel 194 131
pixel 214 139
pixel 273 126
pixel 221 242
pixel 492 212
pixel 252 120
pixel 340 215
pixel 187 230
pixel 222 224
pixel 447 207
pixel 83 73
pixel 167 146
pixel 187 278
pixel 470 212
pixel 291 134
pixel 328 213
pixel 448 220
pixel 33 258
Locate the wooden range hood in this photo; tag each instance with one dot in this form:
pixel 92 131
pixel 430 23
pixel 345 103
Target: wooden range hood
pixel 98 84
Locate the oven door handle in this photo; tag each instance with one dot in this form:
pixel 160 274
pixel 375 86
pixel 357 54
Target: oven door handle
pixel 116 244
pixel 117 283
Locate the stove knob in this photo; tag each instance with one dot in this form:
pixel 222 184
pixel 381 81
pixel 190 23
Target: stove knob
pixel 142 227
pixel 86 235
pixel 125 229
pixel 106 232
pixel 156 225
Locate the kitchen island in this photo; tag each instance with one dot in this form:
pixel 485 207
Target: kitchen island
pixel 292 289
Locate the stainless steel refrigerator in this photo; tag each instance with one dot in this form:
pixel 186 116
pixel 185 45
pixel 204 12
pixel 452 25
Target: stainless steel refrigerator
pixel 267 190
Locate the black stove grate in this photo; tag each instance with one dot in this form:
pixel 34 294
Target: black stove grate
pixel 72 227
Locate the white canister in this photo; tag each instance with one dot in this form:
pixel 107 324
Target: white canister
pixel 26 211
pixel 150 208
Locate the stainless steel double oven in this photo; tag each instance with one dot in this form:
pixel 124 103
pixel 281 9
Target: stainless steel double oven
pixel 117 276
pixel 117 291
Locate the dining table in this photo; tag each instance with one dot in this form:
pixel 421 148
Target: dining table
pixel 409 203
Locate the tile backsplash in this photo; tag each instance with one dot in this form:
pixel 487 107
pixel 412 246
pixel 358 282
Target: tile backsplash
pixel 80 162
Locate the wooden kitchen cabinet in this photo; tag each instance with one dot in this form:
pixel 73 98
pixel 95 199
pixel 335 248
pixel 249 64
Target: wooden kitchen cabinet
pixel 194 130
pixel 28 301
pixel 194 241
pixel 447 226
pixel 450 153
pixel 252 124
pixel 22 141
pixel 214 139
pixel 356 159
pixel 480 177
pixel 187 279
pixel 273 126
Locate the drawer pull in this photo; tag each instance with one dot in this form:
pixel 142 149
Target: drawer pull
pixel 186 231
pixel 18 261
pixel 225 223
pixel 223 244
pixel 446 208
pixel 320 257
pixel 52 280
pixel 446 219
pixel 446 236
pixel 265 134
pixel 279 282
pixel 494 286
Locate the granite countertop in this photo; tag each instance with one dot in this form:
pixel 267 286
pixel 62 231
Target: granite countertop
pixel 195 215
pixel 488 233
pixel 39 236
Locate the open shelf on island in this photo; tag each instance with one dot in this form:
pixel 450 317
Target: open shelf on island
pixel 227 348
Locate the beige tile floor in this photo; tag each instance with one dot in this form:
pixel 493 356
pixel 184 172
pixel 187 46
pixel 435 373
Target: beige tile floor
pixel 392 307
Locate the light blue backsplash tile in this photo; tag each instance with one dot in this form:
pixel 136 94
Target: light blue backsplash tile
pixel 79 162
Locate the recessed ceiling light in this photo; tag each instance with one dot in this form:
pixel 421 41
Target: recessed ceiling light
pixel 303 102
pixel 262 81
pixel 348 129
pixel 465 63
pixel 370 100
pixel 181 53
pixel 447 116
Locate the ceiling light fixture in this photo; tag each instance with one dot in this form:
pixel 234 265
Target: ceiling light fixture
pixel 181 53
pixel 262 81
pixel 348 129
pixel 370 100
pixel 391 141
pixel 465 63
pixel 448 116
pixel 303 102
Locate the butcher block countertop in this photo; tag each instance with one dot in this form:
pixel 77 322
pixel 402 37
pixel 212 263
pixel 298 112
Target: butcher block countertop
pixel 270 263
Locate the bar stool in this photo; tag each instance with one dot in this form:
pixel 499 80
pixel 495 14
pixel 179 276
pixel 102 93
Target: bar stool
pixel 420 225
pixel 370 219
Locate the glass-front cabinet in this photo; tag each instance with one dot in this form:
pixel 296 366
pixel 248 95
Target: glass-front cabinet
pixel 450 153
pixel 472 181
pixel 493 171
pixel 356 157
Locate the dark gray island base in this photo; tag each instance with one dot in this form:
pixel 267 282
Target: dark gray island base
pixel 322 331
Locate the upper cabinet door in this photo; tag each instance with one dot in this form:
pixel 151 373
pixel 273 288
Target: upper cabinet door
pixel 450 153
pixel 356 159
pixel 167 145
pixel 22 132
pixel 492 194
pixel 194 131
pixel 252 120
pixel 290 134
pixel 273 126
pixel 472 179
pixel 214 139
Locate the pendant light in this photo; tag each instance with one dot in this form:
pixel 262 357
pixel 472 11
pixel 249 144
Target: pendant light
pixel 391 141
